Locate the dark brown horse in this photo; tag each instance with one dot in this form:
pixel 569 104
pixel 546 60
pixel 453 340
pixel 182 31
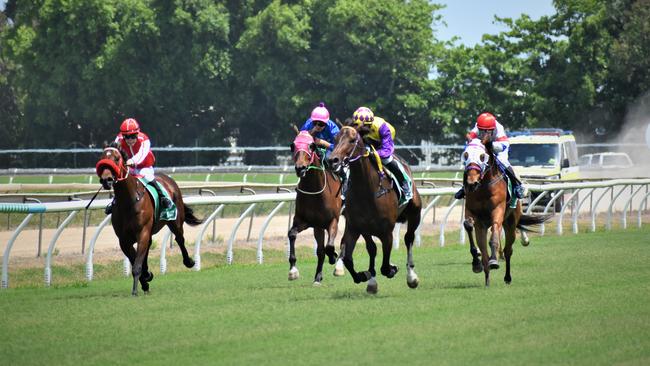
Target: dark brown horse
pixel 372 209
pixel 133 214
pixel 486 208
pixel 318 205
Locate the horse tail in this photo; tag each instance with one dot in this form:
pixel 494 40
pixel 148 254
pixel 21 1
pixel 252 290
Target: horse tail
pixel 532 220
pixel 190 219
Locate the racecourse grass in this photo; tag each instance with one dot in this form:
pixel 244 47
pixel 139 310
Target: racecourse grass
pixel 575 299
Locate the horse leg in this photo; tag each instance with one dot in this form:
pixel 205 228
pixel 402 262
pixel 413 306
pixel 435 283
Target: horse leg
pixel 412 279
pixel 319 235
pixel 350 241
pixel 511 233
pixel 177 230
pixel 387 268
pixel 331 236
pixel 297 227
pixel 141 252
pixel 481 240
pixel 495 243
pixel 146 276
pixel 339 268
pixel 371 248
pixel 477 266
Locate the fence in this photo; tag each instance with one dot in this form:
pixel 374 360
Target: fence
pixel 615 188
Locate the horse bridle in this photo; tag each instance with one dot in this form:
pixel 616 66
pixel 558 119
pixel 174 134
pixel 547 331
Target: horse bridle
pixel 123 171
pixel 349 159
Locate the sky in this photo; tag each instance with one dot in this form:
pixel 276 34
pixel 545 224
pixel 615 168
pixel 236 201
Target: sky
pixel 470 19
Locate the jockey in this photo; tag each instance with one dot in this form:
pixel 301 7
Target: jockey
pixel 487 124
pixel 137 146
pixel 321 127
pixel 381 137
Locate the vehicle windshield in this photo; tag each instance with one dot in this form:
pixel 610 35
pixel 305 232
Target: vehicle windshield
pixel 534 154
pixel 619 160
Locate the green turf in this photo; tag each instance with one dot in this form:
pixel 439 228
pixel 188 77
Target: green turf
pixel 574 300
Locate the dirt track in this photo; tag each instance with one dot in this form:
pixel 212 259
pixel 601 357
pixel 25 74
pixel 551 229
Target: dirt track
pixel 68 246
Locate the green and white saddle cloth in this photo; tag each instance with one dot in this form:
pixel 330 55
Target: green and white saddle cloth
pixel 166 215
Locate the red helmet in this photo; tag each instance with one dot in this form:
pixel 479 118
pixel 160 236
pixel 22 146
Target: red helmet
pixel 129 127
pixel 486 121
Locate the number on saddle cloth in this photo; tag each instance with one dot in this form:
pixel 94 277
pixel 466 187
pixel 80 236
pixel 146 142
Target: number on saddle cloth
pixel 168 214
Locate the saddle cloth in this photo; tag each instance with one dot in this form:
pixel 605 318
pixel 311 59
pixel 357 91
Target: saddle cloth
pixel 166 215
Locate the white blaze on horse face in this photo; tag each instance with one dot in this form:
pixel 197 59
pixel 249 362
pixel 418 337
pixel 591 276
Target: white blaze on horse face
pixel 475 153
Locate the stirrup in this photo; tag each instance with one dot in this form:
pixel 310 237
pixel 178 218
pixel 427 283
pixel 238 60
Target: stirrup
pixel 519 191
pixel 109 209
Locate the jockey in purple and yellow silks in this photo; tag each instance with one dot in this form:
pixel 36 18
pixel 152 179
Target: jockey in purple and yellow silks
pixel 324 130
pixel 381 135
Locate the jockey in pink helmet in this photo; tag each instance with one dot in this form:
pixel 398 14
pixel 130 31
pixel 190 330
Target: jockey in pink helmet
pixel 137 146
pixel 487 124
pixel 322 127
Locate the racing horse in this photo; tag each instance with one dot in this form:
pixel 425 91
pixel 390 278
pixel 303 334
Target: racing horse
pixel 134 210
pixel 318 205
pixel 487 207
pixel 372 209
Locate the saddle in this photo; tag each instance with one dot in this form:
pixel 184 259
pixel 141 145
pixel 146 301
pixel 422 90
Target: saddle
pixel 511 199
pixel 167 214
pixel 402 198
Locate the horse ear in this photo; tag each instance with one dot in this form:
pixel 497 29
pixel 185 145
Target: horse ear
pixel 292 147
pixel 465 156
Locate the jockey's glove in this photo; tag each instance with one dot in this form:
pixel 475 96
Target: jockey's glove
pixel 130 163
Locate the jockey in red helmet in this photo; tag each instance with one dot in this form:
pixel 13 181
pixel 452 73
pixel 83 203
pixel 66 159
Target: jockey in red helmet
pixel 140 161
pixel 487 124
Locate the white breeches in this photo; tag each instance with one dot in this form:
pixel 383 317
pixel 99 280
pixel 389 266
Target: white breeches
pixel 146 172
pixel 503 158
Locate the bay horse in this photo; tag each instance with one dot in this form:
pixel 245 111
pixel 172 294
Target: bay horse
pixel 133 213
pixel 318 205
pixel 487 207
pixel 372 209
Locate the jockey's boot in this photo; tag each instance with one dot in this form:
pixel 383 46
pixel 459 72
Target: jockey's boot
pixel 460 194
pixel 109 209
pixel 165 202
pixel 517 187
pixel 395 168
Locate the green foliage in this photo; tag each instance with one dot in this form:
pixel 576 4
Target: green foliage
pixel 201 71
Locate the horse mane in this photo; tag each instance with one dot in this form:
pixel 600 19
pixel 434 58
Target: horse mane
pixel 119 148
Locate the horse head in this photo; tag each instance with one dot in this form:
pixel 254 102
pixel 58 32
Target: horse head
pixel 475 159
pixel 303 149
pixel 111 166
pixel 349 147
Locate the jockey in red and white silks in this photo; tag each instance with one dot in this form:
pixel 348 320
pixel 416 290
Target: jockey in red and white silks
pixel 137 146
pixel 500 142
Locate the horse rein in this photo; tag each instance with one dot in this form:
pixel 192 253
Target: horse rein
pixel 310 167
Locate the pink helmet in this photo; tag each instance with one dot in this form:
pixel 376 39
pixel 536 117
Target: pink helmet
pixel 320 113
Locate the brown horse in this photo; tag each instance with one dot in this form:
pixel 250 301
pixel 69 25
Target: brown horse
pixel 486 208
pixel 133 214
pixel 372 209
pixel 318 205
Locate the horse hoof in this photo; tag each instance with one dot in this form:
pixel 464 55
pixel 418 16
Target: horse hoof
pixel 339 270
pixel 390 272
pixel 372 286
pixel 189 262
pixel 477 267
pixel 493 264
pixel 146 292
pixel 331 254
pixel 149 277
pixel 316 284
pixel 525 242
pixel 294 274
pixel 412 279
